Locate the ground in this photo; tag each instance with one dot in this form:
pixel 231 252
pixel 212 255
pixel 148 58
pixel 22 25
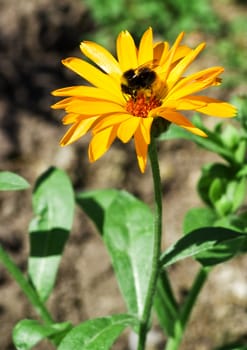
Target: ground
pixel 34 36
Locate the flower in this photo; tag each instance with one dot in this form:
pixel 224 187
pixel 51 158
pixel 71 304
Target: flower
pixel 127 94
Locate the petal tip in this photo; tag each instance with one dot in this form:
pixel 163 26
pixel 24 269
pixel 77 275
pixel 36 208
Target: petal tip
pixel 54 92
pixel 67 60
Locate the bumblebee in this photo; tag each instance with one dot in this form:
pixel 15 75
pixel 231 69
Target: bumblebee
pixel 135 80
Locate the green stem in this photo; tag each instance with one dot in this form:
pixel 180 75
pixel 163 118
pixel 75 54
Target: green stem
pixel 156 246
pixel 25 286
pixel 165 304
pixel 173 343
pixel 168 292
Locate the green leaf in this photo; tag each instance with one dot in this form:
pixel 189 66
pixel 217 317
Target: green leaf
pixel 239 193
pixel 241 103
pixel 243 221
pixel 242 172
pixel 216 190
pixel 240 152
pixel 197 218
pixel 232 347
pixel 127 228
pixel 28 333
pixel 231 195
pixel 223 206
pixel 232 222
pixel 222 252
pixel 209 245
pixel 230 137
pixel 96 203
pixel 12 182
pixel 97 334
pixel 212 143
pixel 239 344
pixel 53 205
pixel 210 173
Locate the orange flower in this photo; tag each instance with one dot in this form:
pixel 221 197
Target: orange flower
pixel 128 93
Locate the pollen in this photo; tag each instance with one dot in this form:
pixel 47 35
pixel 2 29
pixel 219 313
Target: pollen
pixel 141 105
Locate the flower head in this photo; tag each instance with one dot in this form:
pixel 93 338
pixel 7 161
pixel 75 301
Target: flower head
pixel 127 94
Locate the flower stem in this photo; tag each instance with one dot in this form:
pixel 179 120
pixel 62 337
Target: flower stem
pixel 173 343
pixel 156 246
pixel 27 289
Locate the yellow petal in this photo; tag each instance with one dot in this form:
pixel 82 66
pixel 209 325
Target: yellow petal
pixel 62 104
pixel 194 130
pixel 181 52
pixel 160 52
pixel 212 106
pixel 101 142
pixel 194 83
pixel 127 129
pixel 221 110
pixel 141 149
pixel 93 107
pixel 103 58
pixel 186 91
pixel 146 124
pixel 93 75
pixel 182 104
pixel 145 53
pixel 179 69
pixel 70 118
pixel 170 56
pixel 178 119
pixel 110 120
pixel 84 91
pixel 126 51
pixel 77 130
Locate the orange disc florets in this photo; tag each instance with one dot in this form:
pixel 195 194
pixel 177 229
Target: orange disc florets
pixel 141 105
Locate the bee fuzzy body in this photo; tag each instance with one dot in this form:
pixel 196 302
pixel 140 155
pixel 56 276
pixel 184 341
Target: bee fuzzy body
pixel 140 79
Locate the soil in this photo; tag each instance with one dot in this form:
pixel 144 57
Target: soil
pixel 34 37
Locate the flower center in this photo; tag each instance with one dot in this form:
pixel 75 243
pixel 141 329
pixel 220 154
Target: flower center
pixel 142 104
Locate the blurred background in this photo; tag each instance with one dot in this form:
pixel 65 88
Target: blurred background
pixel 34 36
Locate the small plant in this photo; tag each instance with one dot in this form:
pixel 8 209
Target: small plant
pixel 141 96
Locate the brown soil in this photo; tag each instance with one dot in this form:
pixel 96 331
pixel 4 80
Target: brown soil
pixel 34 36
